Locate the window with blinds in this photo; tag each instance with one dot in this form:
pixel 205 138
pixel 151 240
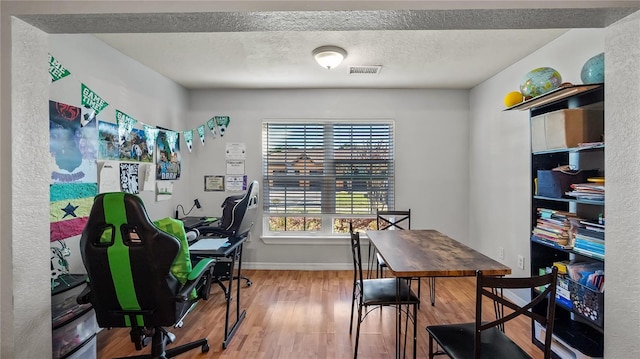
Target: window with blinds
pixel 321 176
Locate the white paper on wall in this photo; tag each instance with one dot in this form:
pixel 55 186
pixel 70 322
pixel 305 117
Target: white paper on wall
pixel 164 190
pixel 109 177
pixel 148 178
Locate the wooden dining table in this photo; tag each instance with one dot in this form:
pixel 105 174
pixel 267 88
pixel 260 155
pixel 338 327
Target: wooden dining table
pixel 429 253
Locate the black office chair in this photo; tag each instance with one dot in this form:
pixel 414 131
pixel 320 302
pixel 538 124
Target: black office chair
pixel 238 216
pixel 140 276
pixel 378 292
pixel 487 339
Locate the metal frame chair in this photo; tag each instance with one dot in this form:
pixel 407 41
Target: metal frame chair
pixel 487 339
pixel 378 292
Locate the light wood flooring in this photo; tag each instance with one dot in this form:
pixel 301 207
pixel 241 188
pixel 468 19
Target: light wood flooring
pixel 305 314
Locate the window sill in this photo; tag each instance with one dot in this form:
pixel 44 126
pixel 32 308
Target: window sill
pixel 311 240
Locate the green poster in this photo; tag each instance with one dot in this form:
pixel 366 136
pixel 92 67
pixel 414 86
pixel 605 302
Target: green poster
pixel 56 70
pixel 91 100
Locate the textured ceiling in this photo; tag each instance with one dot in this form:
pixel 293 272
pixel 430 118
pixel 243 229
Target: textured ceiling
pixel 409 59
pixel 447 48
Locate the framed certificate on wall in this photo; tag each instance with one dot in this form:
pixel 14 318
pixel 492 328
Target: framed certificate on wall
pixel 213 183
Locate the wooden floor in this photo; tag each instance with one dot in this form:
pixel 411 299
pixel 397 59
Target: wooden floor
pixel 305 314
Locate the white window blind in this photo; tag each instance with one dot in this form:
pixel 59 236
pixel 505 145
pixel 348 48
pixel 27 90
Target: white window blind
pixel 312 169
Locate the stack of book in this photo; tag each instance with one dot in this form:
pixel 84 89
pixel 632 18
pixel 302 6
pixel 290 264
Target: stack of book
pixel 553 227
pixel 589 239
pixel 589 191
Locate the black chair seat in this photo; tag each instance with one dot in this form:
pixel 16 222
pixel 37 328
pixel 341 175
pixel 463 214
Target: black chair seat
pixel 457 340
pixel 382 291
pixel 485 339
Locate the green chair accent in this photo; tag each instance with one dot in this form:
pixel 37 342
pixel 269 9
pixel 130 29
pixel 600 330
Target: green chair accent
pixel 139 273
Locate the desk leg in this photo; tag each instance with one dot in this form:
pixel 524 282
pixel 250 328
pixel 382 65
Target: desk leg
pixel 228 333
pixel 432 290
pixel 398 318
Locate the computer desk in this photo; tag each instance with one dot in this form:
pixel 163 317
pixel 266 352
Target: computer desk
pixel 233 251
pixel 191 222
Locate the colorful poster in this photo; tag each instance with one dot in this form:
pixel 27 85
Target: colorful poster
pixel 108 146
pixel 73 148
pixel 56 70
pixel 70 204
pixel 168 155
pixel 134 146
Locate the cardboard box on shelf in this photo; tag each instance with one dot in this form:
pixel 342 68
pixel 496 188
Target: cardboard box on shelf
pixel 566 129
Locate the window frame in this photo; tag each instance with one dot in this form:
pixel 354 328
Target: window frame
pixel 327 228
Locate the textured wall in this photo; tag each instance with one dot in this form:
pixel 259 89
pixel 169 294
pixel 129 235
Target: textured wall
pixel 29 163
pixel 622 162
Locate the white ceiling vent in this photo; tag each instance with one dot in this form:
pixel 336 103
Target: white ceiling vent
pixel 365 70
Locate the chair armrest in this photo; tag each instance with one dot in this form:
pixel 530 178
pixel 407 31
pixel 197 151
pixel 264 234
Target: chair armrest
pixel 203 267
pixel 85 296
pixel 207 230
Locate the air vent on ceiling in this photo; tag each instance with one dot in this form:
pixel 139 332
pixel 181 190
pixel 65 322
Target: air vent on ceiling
pixel 365 70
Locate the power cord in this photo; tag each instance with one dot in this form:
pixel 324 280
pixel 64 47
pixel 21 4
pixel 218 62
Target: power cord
pixel 196 203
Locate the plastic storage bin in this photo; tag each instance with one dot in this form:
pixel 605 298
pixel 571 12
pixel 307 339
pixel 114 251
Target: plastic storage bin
pixel 72 334
pixel 63 298
pixel 88 350
pixel 586 302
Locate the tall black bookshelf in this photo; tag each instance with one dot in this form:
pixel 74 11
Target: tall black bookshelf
pixel 579 326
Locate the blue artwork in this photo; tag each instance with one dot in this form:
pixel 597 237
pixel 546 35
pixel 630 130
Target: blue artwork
pixel 73 147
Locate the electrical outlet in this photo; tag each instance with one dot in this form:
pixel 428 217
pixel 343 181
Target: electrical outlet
pixel 521 262
pixel 501 254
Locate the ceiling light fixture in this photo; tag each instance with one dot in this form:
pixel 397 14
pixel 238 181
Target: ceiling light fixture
pixel 329 56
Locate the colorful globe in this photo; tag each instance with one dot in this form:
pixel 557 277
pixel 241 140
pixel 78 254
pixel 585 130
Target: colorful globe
pixel 513 98
pixel 593 70
pixel 540 81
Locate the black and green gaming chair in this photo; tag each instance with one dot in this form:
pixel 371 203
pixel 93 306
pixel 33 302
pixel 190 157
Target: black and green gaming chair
pixel 139 273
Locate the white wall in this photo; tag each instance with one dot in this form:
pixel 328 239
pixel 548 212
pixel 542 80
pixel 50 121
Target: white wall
pixel 431 156
pixel 127 86
pixel 500 148
pixel 622 160
pixel 28 178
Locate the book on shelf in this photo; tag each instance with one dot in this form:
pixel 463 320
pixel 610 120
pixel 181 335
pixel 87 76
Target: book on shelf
pixel 589 253
pixel 588 246
pixel 591 233
pixel 549 242
pixel 594 226
pixel 553 237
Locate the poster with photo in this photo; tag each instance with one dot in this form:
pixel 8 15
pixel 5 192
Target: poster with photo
pixel 133 146
pixel 108 146
pixel 73 148
pixel 168 157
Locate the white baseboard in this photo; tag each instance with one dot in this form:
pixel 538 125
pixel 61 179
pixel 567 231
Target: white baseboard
pixel 297 266
pixel 516 299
